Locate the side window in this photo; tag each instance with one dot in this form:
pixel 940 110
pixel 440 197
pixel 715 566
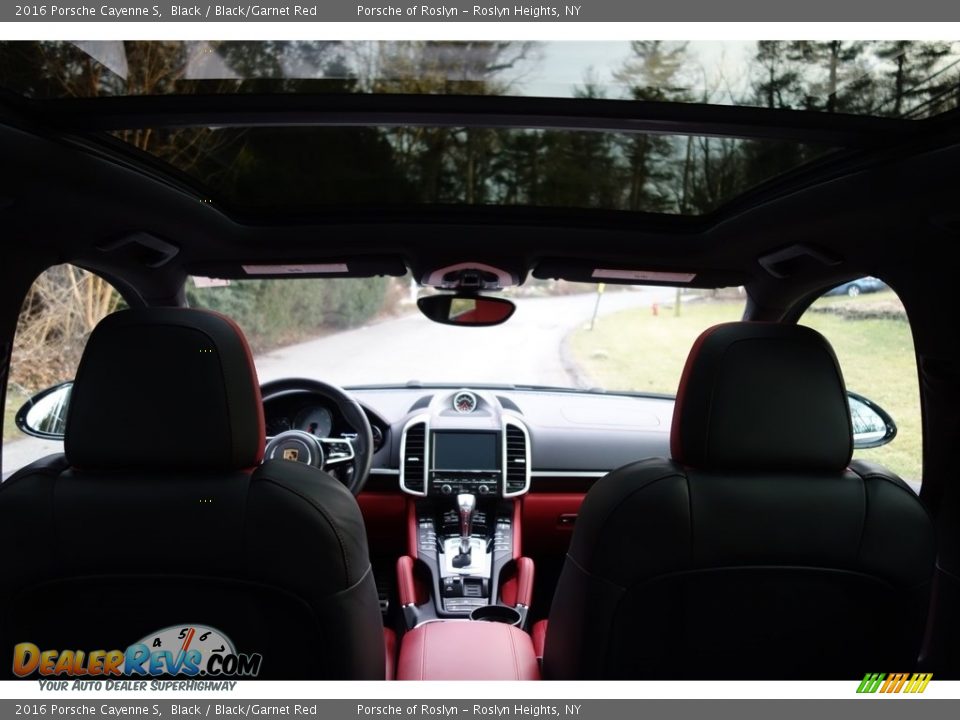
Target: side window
pixel 63 306
pixel 867 325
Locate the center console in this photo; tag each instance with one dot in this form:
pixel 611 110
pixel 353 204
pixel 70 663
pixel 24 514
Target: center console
pixel 464 552
pixel 464 461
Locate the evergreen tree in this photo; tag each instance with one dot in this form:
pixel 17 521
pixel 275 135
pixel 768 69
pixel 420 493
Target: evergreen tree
pixel 777 80
pixel 915 83
pixel 653 73
pixel 834 76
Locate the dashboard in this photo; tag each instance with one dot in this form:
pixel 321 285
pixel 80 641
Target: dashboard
pixel 491 441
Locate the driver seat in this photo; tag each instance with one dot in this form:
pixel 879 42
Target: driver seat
pixel 160 516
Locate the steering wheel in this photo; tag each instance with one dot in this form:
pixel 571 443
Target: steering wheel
pixel 356 454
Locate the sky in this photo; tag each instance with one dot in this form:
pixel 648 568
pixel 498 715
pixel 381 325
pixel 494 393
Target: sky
pixel 565 64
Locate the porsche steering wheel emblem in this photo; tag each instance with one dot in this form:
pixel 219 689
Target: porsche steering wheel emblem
pixel 291 454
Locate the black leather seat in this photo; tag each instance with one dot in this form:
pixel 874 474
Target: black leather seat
pixel 159 514
pixel 759 550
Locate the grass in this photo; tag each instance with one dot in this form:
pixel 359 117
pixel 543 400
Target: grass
pixel 870 299
pixel 636 350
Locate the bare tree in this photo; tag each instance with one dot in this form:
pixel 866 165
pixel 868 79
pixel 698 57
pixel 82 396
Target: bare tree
pixel 60 311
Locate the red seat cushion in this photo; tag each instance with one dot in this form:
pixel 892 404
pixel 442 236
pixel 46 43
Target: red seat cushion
pixel 465 650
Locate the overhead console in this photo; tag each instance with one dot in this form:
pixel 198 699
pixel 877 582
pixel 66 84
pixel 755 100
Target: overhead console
pixel 465 442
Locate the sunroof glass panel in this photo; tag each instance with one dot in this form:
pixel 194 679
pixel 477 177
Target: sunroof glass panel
pixel 288 169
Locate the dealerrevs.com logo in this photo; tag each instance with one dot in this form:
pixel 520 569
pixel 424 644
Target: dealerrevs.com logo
pixel 894 683
pixel 190 650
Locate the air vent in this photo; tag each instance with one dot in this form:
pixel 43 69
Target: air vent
pixel 413 460
pixel 517 454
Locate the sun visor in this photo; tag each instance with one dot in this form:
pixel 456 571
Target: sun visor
pixel 352 267
pixel 586 270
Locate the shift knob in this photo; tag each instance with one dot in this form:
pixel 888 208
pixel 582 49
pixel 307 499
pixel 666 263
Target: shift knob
pixel 466 504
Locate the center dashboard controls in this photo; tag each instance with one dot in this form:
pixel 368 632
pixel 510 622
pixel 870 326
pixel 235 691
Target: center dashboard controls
pixel 465 442
pixel 484 485
pixel 467 485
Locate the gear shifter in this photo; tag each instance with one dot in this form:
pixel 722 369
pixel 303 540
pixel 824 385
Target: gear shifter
pixel 466 504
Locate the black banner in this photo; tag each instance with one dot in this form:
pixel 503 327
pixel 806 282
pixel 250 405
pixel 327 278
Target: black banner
pixel 160 709
pixel 482 11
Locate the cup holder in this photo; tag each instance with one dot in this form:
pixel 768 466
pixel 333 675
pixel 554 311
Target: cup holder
pixel 496 613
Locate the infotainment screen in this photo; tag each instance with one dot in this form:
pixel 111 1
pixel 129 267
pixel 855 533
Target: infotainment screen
pixel 465 451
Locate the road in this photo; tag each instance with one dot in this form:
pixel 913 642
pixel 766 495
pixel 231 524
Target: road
pixel 527 349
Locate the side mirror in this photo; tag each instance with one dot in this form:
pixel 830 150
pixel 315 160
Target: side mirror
pixel 45 414
pixel 872 426
pixel 466 310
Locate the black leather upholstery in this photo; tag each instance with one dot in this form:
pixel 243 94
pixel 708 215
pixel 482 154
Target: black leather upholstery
pixel 761 396
pixel 174 527
pixel 746 557
pixel 165 388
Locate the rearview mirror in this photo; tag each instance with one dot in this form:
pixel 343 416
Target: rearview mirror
pixel 872 426
pixel 466 310
pixel 45 414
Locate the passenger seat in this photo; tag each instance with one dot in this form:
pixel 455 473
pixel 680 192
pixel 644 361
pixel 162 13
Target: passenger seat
pixel 759 550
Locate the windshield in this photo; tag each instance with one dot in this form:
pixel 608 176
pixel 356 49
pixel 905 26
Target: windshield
pixel 368 332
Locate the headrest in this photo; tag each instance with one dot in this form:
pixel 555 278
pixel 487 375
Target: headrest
pixel 162 389
pixel 762 396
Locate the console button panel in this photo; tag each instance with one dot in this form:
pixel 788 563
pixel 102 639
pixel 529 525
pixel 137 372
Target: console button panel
pixel 481 484
pixel 438 527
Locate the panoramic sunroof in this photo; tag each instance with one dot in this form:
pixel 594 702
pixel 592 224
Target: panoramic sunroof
pixel 900 78
pixel 272 167
pixel 304 169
